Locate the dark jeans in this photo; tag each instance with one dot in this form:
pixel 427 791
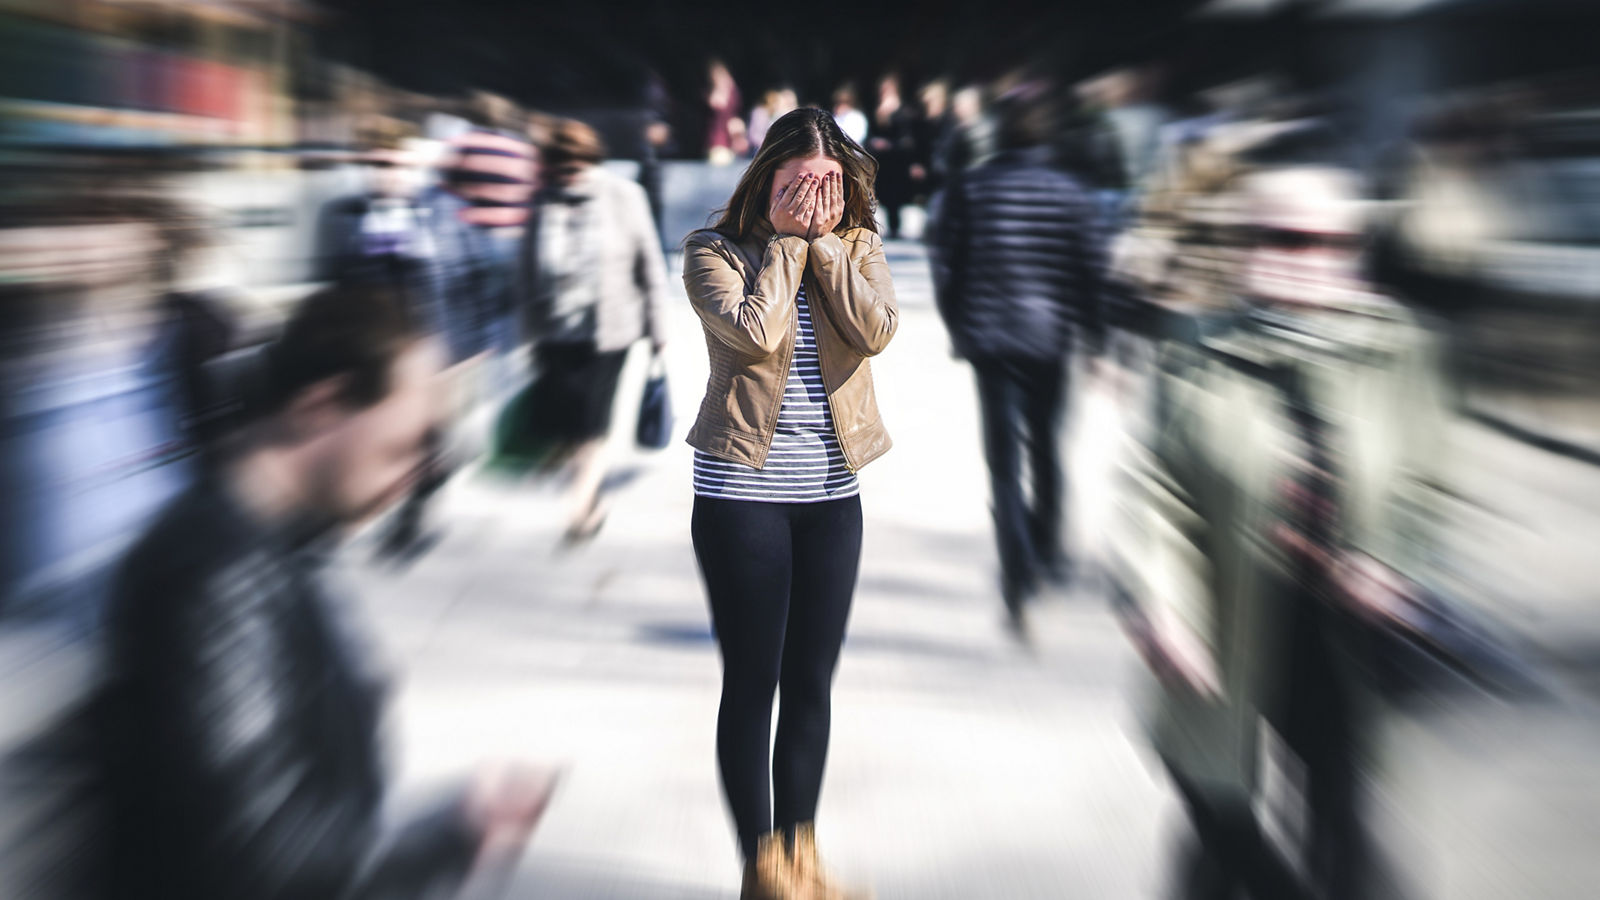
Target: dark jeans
pixel 1021 403
pixel 779 577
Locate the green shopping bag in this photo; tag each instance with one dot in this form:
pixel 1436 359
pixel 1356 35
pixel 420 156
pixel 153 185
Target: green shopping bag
pixel 522 441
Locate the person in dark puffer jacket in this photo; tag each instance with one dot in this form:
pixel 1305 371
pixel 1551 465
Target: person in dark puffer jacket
pixel 1018 273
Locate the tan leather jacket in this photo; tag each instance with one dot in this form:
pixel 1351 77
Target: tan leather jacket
pixel 744 292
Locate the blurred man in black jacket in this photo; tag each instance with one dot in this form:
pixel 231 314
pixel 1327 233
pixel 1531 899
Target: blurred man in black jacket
pixel 1018 269
pixel 240 730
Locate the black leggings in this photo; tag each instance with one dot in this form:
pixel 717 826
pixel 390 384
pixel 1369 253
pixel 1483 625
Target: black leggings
pixel 779 577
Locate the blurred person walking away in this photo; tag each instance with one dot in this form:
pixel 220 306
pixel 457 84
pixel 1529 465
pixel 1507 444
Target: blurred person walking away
pixel 238 728
pixel 966 139
pixel 476 218
pixel 493 169
pixel 725 136
pixel 1125 114
pixel 379 235
pixel 932 128
pixel 774 105
pixel 893 141
pixel 1279 518
pixel 971 139
pixel 655 141
pixel 596 283
pixel 199 329
pixel 794 295
pixel 851 120
pixel 1018 271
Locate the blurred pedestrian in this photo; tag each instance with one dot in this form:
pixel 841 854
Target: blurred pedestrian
pixel 474 220
pixel 893 142
pixel 794 295
pixel 851 120
pixel 655 141
pixel 492 171
pixel 596 283
pixel 774 105
pixel 239 728
pixel 1018 271
pixel 933 126
pixel 380 233
pixel 972 138
pixel 199 327
pixel 1281 508
pixel 725 136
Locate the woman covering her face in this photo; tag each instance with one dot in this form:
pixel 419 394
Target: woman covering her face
pixel 794 295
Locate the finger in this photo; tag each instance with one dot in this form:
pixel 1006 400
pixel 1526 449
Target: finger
pixel 798 200
pixel 785 193
pixel 796 188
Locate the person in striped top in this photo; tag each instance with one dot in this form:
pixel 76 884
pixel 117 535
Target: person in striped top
pixel 794 294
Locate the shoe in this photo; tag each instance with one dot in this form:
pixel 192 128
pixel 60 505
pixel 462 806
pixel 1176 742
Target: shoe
pixel 584 531
pixel 770 876
pixel 1017 629
pixel 809 874
pixel 405 541
pixel 1058 572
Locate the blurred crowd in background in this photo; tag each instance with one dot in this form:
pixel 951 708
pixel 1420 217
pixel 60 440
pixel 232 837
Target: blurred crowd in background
pixel 1297 242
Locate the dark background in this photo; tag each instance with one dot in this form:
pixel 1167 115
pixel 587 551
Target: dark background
pixel 588 58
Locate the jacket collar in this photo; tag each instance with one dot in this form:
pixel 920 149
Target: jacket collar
pixel 1040 155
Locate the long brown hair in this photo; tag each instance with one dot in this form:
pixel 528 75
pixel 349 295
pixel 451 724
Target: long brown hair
pixel 803 133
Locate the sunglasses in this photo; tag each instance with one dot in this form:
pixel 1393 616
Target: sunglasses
pixel 1294 240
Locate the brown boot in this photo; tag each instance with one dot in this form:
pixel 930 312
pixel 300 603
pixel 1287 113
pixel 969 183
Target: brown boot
pixel 770 876
pixel 811 876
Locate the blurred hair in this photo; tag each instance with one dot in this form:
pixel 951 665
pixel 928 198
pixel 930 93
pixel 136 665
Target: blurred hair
pixel 572 141
pixel 845 93
pixel 487 110
pixel 1026 116
pixel 1300 142
pixel 349 330
pixel 384 133
pixel 540 127
pixel 802 134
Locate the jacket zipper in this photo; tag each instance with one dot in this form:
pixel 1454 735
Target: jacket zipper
pixel 823 367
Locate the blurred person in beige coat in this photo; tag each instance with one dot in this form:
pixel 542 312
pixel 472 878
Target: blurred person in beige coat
pixel 1273 512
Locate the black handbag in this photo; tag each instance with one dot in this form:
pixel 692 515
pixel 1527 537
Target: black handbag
pixel 654 429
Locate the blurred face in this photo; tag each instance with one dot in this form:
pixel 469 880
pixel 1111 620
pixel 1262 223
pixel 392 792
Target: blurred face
pixel 1305 228
pixel 392 173
pixel 818 165
pixel 367 459
pixel 567 174
pixel 967 105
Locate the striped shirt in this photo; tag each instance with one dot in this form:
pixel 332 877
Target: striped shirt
pixel 805 464
pixel 494 173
